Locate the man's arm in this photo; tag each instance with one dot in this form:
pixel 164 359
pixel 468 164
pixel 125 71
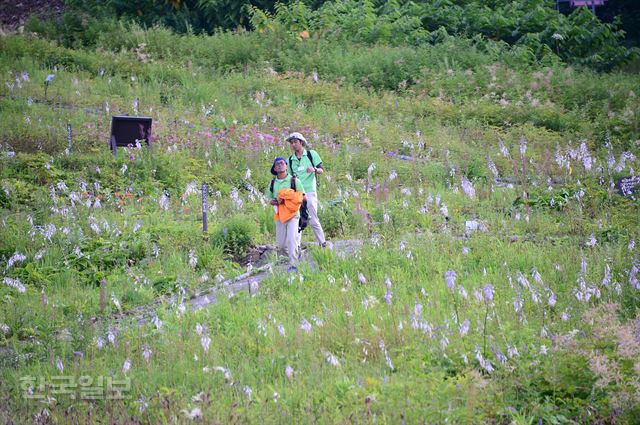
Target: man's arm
pixel 317 169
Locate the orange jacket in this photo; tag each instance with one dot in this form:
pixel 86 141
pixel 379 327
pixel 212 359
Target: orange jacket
pixel 292 203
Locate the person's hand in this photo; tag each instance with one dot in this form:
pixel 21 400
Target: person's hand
pixel 310 169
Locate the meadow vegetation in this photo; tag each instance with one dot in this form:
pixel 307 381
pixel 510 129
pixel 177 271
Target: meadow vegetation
pixel 497 280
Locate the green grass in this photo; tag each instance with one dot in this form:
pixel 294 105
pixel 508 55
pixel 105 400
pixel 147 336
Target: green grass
pixel 215 120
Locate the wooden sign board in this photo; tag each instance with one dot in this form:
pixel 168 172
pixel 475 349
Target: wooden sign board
pixel 125 130
pixel 629 187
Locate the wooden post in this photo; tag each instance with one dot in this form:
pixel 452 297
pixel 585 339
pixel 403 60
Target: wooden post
pixel 69 137
pixel 103 294
pixel 113 145
pixel 205 221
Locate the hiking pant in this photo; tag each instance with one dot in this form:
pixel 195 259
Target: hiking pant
pixel 314 223
pixel 287 238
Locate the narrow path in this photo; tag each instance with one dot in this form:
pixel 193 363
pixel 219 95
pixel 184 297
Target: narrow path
pixel 246 282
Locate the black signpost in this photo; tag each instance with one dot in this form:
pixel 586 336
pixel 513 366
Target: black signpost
pixel 126 130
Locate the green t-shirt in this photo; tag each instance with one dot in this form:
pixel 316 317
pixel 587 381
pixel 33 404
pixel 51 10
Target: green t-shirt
pixel 298 167
pixel 284 183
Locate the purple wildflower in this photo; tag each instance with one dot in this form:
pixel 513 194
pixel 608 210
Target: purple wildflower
pixel 450 278
pixel 492 167
pixel 488 292
pixel 500 357
pixel 464 327
pixel 15 283
pixel 288 371
pixel 467 187
pixel 633 277
pixel 305 325
pixel 463 292
pixel 15 258
pixel 484 363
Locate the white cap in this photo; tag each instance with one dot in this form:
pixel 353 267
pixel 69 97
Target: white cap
pixel 298 136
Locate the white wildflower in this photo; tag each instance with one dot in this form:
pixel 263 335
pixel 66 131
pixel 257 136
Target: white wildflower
pixel 126 366
pixel 205 341
pixel 331 359
pixel 193 414
pixel 146 353
pixel 193 259
pixel 248 392
pixel 115 301
pixel 164 201
pixel 157 322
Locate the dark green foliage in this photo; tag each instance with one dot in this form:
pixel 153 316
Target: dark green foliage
pixel 105 254
pixel 580 38
pixel 337 219
pixel 164 284
pixel 557 199
pixel 199 16
pixel 73 30
pixel 5 202
pixel 533 27
pixel 235 236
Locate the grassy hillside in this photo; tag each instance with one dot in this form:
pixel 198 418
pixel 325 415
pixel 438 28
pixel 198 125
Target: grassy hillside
pixel 497 280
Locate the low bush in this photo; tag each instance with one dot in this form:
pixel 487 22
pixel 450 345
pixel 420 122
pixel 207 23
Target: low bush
pixel 235 235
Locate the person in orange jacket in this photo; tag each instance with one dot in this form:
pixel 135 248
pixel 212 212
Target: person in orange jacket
pixel 286 196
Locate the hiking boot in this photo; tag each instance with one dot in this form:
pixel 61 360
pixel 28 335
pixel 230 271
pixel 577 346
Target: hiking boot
pixel 292 269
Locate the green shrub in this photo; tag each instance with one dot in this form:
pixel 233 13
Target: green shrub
pixel 235 236
pixel 337 219
pixel 5 202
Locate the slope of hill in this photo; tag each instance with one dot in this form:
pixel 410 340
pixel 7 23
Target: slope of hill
pixel 495 277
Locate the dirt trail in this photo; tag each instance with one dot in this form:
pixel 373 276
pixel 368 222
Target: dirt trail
pixel 247 282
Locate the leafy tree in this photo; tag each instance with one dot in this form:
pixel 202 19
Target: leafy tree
pixel 578 38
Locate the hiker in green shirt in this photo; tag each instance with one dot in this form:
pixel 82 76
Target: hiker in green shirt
pixel 286 232
pixel 305 165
